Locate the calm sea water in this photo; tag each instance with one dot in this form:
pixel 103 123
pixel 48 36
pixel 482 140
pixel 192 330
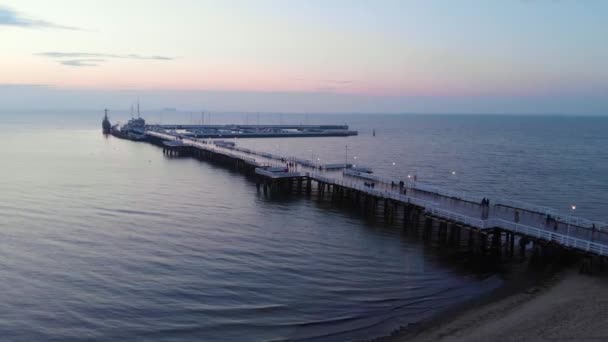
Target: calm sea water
pixel 107 239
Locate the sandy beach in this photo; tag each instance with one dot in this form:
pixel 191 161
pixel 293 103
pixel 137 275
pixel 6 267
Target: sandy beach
pixel 567 307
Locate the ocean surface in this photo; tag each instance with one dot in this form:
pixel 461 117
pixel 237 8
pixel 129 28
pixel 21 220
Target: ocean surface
pixel 102 238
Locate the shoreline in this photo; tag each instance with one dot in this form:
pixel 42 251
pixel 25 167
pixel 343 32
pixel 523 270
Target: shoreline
pixel 553 304
pixel 517 277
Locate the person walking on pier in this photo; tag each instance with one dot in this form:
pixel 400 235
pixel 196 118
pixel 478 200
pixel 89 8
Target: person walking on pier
pixel 516 216
pixel 485 210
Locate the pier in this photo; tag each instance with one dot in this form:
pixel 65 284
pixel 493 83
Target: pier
pixel 254 131
pixel 496 228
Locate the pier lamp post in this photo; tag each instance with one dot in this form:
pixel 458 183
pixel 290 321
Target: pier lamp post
pixel 354 161
pixel 394 172
pixel 312 156
pixel 572 208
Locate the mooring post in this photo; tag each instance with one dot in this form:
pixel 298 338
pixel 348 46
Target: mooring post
pixel 406 215
pixel 395 210
pixel 386 208
pixel 483 243
pixel 512 245
pixel 428 227
pixel 416 219
pixel 523 242
pixel 456 228
pixel 496 242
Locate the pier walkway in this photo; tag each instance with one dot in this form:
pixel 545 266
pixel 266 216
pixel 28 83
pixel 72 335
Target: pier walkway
pixel 518 218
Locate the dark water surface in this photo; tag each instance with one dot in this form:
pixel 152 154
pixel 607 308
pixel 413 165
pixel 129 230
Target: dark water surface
pixel 103 238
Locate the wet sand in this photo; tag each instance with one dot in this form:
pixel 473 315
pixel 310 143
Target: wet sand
pixel 568 306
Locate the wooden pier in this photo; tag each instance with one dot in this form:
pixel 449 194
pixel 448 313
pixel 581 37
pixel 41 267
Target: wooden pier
pixel 498 229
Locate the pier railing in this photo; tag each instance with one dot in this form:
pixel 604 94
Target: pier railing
pixel 462 195
pixel 410 184
pixel 562 239
pixel 525 206
pixel 464 219
pixel 375 192
pixel 430 207
pixel 275 175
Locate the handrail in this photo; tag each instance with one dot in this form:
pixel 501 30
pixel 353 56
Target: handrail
pixel 267 173
pixel 409 184
pixel 379 193
pixel 416 185
pixel 564 240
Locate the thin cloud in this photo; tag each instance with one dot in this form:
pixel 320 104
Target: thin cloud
pixel 54 54
pixel 326 89
pixel 9 17
pixel 322 81
pixel 23 85
pixel 89 59
pixel 338 81
pixel 91 62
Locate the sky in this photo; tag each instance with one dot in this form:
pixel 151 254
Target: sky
pixel 381 56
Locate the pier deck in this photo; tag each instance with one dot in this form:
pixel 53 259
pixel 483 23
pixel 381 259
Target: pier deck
pixel 523 219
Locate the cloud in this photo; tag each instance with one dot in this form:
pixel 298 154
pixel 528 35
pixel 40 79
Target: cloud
pixel 338 81
pixel 101 55
pixel 88 59
pixel 322 81
pixel 9 17
pixel 84 62
pixel 22 85
pixel 326 89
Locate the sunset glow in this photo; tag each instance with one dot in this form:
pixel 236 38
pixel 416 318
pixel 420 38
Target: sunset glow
pixel 358 48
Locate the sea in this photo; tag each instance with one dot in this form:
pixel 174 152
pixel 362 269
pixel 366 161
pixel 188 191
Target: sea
pixel 106 239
